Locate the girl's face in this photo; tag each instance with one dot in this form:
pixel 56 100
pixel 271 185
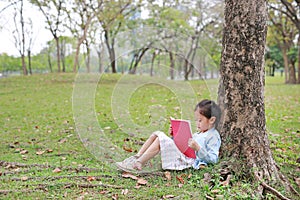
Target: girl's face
pixel 203 123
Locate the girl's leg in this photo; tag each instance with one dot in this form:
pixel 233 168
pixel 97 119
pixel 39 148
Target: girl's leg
pixel 146 145
pixel 150 152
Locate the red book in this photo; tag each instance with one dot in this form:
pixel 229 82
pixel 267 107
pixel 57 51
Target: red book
pixel 182 132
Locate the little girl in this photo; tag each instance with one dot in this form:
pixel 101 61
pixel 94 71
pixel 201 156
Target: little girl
pixel 206 144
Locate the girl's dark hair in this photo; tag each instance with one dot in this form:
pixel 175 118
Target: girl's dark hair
pixel 209 109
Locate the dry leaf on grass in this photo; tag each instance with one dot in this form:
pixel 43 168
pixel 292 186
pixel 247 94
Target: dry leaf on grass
pixel 169 196
pixel 127 148
pixel 128 175
pixel 23 152
pixel 124 192
pixel 180 179
pixel 56 170
pixel 227 181
pixel 39 152
pixel 104 192
pixel 142 181
pixel 91 178
pixel 62 140
pixel 168 175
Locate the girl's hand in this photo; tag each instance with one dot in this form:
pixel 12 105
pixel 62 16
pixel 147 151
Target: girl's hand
pixel 171 130
pixel 193 144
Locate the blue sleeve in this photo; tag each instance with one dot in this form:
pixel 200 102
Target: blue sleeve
pixel 209 152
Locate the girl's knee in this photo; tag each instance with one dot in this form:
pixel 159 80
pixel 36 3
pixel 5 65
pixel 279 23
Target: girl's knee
pixel 153 136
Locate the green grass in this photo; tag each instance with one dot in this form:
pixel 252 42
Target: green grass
pixel 38 117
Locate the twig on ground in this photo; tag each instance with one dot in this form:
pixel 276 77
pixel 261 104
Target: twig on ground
pixel 269 188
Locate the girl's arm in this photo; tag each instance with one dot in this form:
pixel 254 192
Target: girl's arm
pixel 210 151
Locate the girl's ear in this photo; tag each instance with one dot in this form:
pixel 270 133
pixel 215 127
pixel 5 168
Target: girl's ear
pixel 212 120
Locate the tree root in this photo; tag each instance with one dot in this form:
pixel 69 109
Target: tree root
pixel 269 188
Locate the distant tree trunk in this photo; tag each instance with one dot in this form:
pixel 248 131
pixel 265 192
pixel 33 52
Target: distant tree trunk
pixel 88 57
pixel 241 94
pixel 57 53
pixel 172 65
pixel 286 64
pixel 62 54
pixel 29 61
pixel 137 57
pixel 100 65
pixel 152 62
pixel 111 51
pixel 25 72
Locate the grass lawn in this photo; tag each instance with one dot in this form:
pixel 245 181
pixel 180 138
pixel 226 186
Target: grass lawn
pixel 61 134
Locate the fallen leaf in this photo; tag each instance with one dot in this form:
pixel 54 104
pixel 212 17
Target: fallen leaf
pixel 49 150
pixel 104 192
pixel 56 170
pixel 128 175
pixel 180 185
pixel 207 177
pixel 169 196
pixel 142 181
pixel 168 175
pixel 137 186
pixel 91 178
pixel 23 152
pixel 180 179
pixel 127 148
pixel 124 192
pixel 62 140
pixel 115 196
pixel 24 178
pixel 40 152
pixel 226 182
pixel 215 191
pixel 189 176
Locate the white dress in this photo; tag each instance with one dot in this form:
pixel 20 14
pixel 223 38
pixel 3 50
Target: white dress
pixel 171 156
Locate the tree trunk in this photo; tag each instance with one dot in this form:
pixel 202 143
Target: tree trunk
pixel 286 64
pixel 241 93
pixel 298 57
pixel 57 53
pixel 172 65
pixel 29 61
pixel 152 63
pixel 24 65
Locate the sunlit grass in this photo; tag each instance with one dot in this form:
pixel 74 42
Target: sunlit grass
pixel 37 116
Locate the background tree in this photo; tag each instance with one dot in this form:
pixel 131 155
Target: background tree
pixel 19 33
pixel 291 9
pixel 283 32
pixel 241 95
pixel 53 11
pixel 111 20
pixel 80 17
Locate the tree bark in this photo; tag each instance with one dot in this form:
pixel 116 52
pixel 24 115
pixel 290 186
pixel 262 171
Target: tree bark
pixel 172 65
pixel 241 93
pixel 57 53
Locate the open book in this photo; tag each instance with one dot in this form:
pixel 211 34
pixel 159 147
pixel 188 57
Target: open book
pixel 182 132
